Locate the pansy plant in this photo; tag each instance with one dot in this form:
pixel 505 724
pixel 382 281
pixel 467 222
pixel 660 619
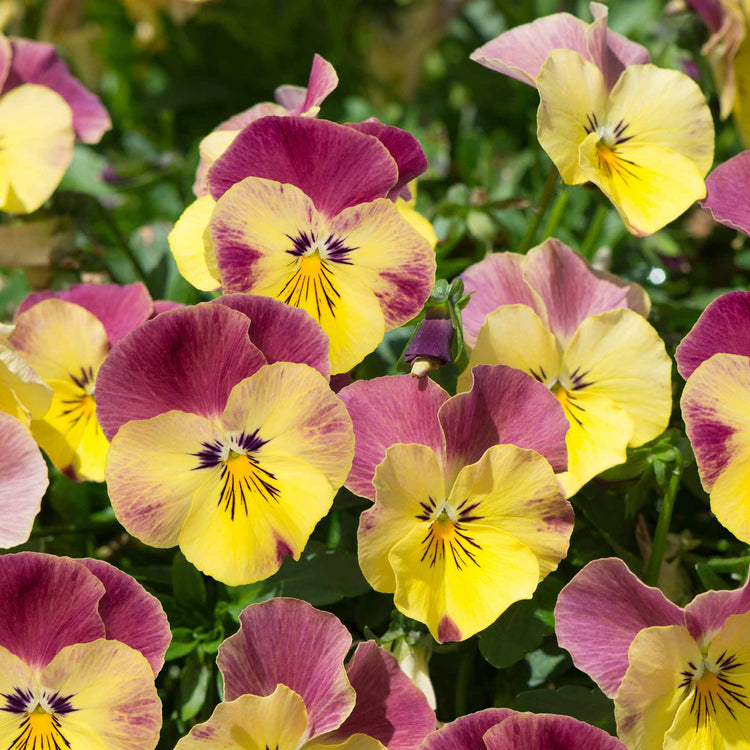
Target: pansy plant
pixel 80 645
pixel 226 437
pixel 583 334
pixel 468 515
pixel 680 678
pixel 286 687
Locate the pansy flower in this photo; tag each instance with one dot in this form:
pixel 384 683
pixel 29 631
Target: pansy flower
pixel 305 215
pixel 680 678
pixel 43 110
pixel 715 359
pixel 468 514
pixel 80 645
pixel 65 337
pixel 583 334
pixel 286 687
pixel 521 52
pixel 503 729
pixel 226 437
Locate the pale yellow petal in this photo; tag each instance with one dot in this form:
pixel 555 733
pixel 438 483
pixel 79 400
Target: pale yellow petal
pixel 186 241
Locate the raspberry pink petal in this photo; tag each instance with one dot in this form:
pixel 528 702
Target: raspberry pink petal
pixel 572 290
pixel 389 410
pixel 711 11
pixel 403 147
pixel 726 193
pixel 504 405
pixel 599 613
pixel 187 359
pixel 334 165
pixel 535 731
pixel 724 326
pixel 322 81
pixel 119 308
pixel 708 612
pixel 37 62
pixel 466 732
pixel 288 642
pixel 272 321
pixel 390 707
pixel 130 614
pixel 23 481
pixel 521 52
pixel 497 280
pixel 47 603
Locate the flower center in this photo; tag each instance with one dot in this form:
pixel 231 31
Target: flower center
pixel 241 476
pixel 713 689
pixel 447 537
pixel 40 719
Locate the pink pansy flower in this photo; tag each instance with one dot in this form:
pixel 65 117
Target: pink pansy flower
pixel 726 193
pixel 468 514
pixel 226 437
pixel 503 729
pixel 43 110
pixel 715 359
pixel 286 686
pixel 65 336
pixel 680 678
pixel 582 333
pixel 521 52
pixel 305 214
pixel 80 645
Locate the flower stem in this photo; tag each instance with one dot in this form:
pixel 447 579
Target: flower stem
pixel 662 527
pixel 590 241
pixel 536 218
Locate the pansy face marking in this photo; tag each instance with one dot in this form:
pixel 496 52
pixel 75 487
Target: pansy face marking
pixel 40 719
pixel 241 476
pixel 448 526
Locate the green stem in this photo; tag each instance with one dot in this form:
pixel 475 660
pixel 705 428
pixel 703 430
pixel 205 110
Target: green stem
pixel 651 576
pixel 556 214
pixel 536 218
pixel 591 240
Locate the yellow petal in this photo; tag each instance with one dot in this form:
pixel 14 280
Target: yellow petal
pixel 190 241
pixel 572 93
pixel 36 128
pixel 514 335
pixel 417 221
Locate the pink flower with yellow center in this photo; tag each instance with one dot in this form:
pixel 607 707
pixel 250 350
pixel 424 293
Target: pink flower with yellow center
pixel 680 678
pixel 305 214
pixel 715 360
pixel 65 337
pixel 468 515
pixel 286 687
pixel 583 334
pixel 227 439
pixel 80 645
pixel 43 111
pixel 503 729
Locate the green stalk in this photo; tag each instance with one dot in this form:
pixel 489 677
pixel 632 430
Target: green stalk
pixel 536 218
pixel 556 214
pixel 651 576
pixel 591 240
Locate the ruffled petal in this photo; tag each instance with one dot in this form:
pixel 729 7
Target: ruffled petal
pixel 355 168
pixel 187 241
pixel 726 188
pixel 288 642
pixel 497 280
pixel 600 612
pixel 390 707
pixel 23 481
pixel 504 405
pixel 130 614
pixel 23 394
pixel 724 326
pixel 48 603
pixel 467 731
pixel 306 101
pixel 707 614
pixel 389 410
pixel 187 359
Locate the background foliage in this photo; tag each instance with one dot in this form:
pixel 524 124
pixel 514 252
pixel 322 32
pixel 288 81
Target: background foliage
pixel 167 81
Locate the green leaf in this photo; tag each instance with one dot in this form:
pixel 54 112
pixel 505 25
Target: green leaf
pixel 187 583
pixel 591 706
pixel 709 577
pixel 183 642
pixel 521 628
pixel 193 688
